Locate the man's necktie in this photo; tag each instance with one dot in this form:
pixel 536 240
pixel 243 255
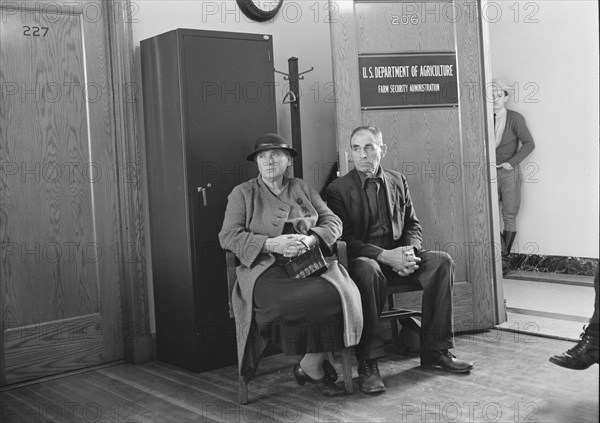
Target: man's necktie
pixel 372 188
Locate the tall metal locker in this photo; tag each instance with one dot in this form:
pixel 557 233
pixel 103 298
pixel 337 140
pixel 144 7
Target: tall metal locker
pixel 207 96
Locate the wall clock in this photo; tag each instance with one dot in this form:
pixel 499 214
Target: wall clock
pixel 260 10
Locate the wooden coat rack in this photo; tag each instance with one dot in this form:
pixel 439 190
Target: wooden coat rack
pixel 293 98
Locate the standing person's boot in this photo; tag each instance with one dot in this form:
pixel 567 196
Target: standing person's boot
pixel 583 354
pixel 503 243
pixel 505 261
pixel 508 238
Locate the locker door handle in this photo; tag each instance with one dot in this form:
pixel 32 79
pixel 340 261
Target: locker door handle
pixel 203 191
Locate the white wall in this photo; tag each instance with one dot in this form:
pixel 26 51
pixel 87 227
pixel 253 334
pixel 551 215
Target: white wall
pixel 548 52
pixel 300 29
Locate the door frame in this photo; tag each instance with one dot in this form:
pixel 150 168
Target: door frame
pixel 487 73
pixel 134 331
pixel 137 339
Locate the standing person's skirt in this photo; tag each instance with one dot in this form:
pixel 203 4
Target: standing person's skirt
pixel 299 316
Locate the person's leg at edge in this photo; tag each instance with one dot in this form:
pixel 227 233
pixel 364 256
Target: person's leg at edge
pixel 586 351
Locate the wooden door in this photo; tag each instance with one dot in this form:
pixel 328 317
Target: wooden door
pixel 442 151
pixel 60 224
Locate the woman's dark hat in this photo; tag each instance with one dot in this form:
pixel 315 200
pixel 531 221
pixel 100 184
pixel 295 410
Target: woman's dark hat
pixel 270 142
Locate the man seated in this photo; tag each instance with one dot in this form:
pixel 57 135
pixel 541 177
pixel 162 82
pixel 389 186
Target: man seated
pixel 384 239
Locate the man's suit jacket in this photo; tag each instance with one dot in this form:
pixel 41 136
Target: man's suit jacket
pixel 346 197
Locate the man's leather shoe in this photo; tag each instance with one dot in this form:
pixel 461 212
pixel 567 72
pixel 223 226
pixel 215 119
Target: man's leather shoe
pixel 444 360
pixel 582 355
pixel 369 379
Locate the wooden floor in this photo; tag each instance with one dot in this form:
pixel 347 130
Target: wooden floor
pixel 512 382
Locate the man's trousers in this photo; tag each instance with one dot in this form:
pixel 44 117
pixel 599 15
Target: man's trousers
pixel 435 275
pixel 509 195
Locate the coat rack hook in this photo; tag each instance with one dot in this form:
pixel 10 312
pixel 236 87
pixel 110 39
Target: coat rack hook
pixel 306 71
pixel 285 75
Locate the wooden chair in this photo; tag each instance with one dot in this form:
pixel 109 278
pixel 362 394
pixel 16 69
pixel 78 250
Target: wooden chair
pixel 346 355
pixel 398 315
pixel 396 285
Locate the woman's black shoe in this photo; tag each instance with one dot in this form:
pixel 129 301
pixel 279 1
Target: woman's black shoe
pixel 325 387
pixel 330 373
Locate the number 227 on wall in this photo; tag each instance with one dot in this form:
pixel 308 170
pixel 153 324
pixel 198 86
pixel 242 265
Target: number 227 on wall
pixel 34 31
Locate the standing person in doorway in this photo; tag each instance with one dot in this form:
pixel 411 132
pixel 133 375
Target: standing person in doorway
pixel 513 143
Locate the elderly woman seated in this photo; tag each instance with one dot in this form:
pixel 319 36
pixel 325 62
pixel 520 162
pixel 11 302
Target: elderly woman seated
pixel 285 293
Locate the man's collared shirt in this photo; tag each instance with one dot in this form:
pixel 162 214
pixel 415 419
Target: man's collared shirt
pixel 380 228
pixel 499 124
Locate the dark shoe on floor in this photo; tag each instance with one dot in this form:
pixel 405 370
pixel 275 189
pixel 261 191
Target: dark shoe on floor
pixel 325 387
pixel 444 360
pixel 582 355
pixel 369 379
pixel 330 373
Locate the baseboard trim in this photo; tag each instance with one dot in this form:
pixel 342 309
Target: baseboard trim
pixel 566 265
pixel 60 375
pixel 541 335
pixel 547 314
pixel 559 278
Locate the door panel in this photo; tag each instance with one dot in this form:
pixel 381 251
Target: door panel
pixel 60 297
pixel 441 151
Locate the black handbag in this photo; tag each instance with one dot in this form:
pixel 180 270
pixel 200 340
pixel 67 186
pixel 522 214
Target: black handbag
pixel 306 264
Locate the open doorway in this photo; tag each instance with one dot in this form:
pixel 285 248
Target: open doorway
pixel 549 304
pixel 558 218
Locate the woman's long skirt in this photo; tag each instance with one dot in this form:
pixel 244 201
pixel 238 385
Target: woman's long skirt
pixel 298 315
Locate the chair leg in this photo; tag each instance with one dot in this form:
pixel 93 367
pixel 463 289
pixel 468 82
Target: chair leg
pixel 412 323
pixel 243 392
pixel 347 369
pixel 395 337
pixel 411 327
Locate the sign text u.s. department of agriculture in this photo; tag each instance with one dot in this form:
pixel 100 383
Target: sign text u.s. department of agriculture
pixel 413 80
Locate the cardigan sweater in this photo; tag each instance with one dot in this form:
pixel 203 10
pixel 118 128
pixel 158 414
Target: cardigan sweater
pixel 515 131
pixel 253 215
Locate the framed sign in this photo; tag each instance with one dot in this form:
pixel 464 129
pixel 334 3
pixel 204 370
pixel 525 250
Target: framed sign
pixel 411 80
